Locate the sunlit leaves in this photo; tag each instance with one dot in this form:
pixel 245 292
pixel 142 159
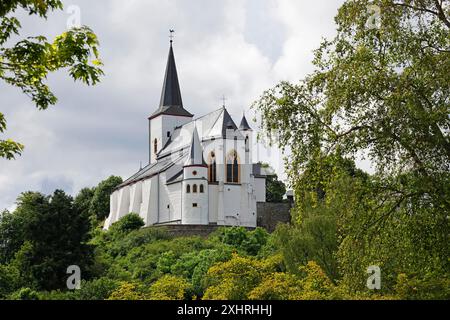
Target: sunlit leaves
pixel 27 64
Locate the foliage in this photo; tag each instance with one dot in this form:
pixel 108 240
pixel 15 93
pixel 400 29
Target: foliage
pixel 250 242
pixel 99 207
pixel 49 235
pixel 170 287
pixel 128 291
pixel 25 294
pixel 27 63
pixel 128 223
pixel 381 93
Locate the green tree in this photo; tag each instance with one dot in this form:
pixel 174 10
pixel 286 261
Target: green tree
pixel 99 207
pixel 53 235
pixel 27 63
pixel 275 189
pixel 381 92
pixel 170 287
pixel 128 223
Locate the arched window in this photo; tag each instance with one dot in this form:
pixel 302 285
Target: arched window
pixel 188 188
pixel 212 167
pixel 155 145
pixel 202 188
pixel 194 188
pixel 247 148
pixel 233 167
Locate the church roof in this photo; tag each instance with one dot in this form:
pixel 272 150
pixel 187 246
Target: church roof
pixel 214 125
pixel 244 124
pixel 171 102
pixel 195 151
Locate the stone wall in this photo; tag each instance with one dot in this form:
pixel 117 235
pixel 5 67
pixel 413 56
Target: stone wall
pixel 269 214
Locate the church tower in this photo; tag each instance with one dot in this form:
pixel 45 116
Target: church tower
pixel 170 113
pixel 195 205
pixel 247 132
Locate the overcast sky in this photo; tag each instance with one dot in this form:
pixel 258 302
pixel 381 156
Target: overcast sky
pixel 237 48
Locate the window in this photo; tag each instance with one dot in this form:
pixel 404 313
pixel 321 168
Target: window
pixel 188 188
pixel 194 205
pixel 168 134
pixel 194 188
pixel 212 167
pixel 194 173
pixel 246 144
pixel 155 145
pixel 202 189
pixel 233 167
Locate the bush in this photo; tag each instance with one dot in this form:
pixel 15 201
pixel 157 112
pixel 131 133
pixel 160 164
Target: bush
pixel 25 294
pixel 170 288
pixel 128 223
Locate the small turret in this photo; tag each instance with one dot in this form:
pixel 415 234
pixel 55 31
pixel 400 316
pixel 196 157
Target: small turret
pixel 195 185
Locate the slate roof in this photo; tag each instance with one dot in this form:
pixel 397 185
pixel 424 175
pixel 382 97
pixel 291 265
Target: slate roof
pixel 171 102
pixel 244 126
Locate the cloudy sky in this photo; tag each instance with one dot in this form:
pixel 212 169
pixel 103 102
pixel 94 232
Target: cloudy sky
pixel 236 48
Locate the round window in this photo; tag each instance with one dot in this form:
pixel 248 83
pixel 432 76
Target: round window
pixel 194 173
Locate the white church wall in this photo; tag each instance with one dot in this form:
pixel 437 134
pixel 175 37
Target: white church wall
pixel 175 201
pixel 155 133
pixel 260 189
pixel 164 200
pixel 195 204
pixel 124 202
pixel 232 204
pixel 135 197
pixel 213 197
pixel 152 212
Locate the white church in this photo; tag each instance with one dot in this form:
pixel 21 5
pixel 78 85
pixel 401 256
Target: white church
pixel 200 170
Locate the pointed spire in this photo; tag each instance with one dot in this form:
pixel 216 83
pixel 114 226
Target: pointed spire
pixel 244 126
pixel 195 152
pixel 171 93
pixel 228 123
pixel 171 102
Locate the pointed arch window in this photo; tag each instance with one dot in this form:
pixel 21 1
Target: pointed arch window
pixel 188 188
pixel 194 188
pixel 155 146
pixel 212 167
pixel 233 167
pixel 202 188
pixel 247 147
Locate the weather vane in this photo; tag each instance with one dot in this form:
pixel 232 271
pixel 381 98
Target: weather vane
pixel 171 31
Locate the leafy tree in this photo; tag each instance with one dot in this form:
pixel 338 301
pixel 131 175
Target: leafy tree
pixel 27 63
pixel 9 280
pixel 128 291
pixel 99 207
pixel 170 287
pixel 234 279
pixel 83 200
pixel 275 189
pixel 97 289
pixel 128 223
pixel 11 235
pixel 25 294
pixel 381 92
pixel 249 242
pixel 277 286
pixel 52 236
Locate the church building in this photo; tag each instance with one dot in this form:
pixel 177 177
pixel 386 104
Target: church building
pixel 200 170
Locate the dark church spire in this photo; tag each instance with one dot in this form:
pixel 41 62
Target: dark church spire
pixel 244 126
pixel 171 102
pixel 171 94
